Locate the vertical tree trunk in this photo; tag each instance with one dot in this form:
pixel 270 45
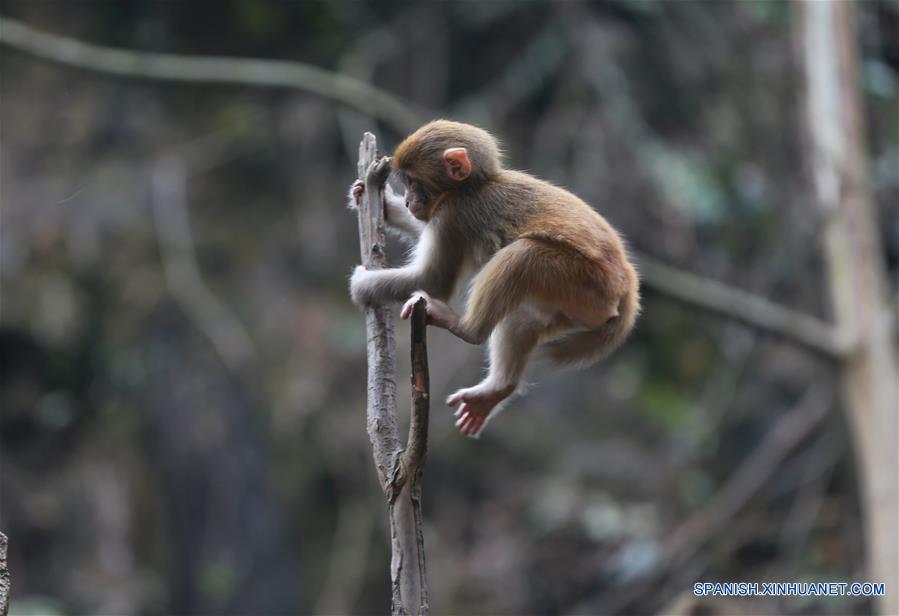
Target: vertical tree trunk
pixel 399 469
pixel 856 273
pixel 4 577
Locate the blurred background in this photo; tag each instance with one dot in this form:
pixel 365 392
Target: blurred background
pixel 182 375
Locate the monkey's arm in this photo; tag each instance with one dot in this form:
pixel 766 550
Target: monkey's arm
pixel 396 215
pixel 435 268
pixel 384 285
pixel 397 284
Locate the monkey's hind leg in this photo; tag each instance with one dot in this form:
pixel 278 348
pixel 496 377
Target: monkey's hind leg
pixel 511 346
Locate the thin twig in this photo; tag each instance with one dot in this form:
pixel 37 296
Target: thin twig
pixel 416 446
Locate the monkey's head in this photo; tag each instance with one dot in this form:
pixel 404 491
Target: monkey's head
pixel 442 157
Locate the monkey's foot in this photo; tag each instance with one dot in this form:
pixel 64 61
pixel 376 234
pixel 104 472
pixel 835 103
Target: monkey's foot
pixel 478 403
pixel 439 314
pixel 406 310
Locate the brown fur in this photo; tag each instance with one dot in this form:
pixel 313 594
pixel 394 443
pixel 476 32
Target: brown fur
pixel 545 259
pixel 572 257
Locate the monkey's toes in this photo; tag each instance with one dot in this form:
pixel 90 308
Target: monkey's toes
pixel 406 311
pixel 470 421
pixel 487 398
pixel 454 399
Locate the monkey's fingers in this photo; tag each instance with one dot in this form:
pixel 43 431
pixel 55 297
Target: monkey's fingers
pixel 358 188
pixel 406 311
pixel 379 170
pixel 464 420
pixel 470 424
pixel 474 431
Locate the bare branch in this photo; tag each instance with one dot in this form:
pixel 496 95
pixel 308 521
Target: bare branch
pixel 826 34
pixel 382 425
pixel 4 577
pixel 212 69
pixel 416 446
pixel 399 472
pixel 748 308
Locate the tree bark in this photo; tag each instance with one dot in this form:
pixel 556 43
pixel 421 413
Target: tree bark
pixel 4 577
pixel 856 273
pixel 399 468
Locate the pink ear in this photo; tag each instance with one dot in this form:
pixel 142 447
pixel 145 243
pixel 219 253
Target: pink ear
pixel 458 166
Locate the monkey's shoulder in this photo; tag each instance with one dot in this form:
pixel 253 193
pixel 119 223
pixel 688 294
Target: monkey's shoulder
pixel 544 194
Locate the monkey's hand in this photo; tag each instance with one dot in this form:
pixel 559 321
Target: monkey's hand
pixel 358 187
pixel 356 190
pixel 439 313
pixel 377 173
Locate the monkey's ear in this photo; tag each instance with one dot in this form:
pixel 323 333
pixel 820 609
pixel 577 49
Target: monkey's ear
pixel 458 166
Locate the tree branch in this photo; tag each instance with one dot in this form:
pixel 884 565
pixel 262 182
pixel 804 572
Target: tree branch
pixel 748 308
pixel 399 470
pixel 382 425
pixel 416 446
pixel 4 577
pixel 212 69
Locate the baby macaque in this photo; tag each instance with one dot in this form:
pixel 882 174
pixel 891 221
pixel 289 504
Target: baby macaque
pixel 551 272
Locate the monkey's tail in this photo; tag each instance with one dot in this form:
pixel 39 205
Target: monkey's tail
pixel 587 347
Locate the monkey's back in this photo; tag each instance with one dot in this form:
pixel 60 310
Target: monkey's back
pixel 569 231
pixel 561 217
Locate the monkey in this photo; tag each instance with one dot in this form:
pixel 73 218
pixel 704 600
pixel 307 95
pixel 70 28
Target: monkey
pixel 550 272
